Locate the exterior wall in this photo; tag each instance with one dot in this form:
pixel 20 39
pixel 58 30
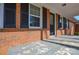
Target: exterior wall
pixel 77 28
pixel 72 28
pixel 63 32
pixel 67 31
pixel 14 36
pixel 9 39
pixel 59 33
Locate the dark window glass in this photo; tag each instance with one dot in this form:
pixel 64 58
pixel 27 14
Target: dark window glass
pixel 34 21
pixel 10 5
pixel 9 15
pixel 24 15
pixel 64 23
pixel 34 16
pixel 34 10
pixel 59 22
pixel 52 24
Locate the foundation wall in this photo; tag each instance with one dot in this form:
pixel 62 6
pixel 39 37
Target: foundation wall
pixel 9 39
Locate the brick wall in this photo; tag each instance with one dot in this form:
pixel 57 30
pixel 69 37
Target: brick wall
pixel 15 36
pixel 72 28
pixel 9 39
pixel 77 28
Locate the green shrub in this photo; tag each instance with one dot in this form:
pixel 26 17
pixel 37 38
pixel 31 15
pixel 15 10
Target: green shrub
pixel 76 33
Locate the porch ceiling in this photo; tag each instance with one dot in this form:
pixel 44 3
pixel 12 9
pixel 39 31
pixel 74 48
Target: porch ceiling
pixel 70 10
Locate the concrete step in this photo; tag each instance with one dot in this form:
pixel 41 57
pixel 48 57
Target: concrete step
pixel 65 42
pixel 70 39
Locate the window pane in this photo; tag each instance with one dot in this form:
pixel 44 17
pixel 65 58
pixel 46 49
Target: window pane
pixel 64 23
pixel 59 22
pixel 34 10
pixel 34 21
pixel 34 16
pixel 10 15
pixel 51 19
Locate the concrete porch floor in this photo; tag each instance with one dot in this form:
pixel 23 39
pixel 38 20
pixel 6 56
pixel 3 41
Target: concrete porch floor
pixel 44 48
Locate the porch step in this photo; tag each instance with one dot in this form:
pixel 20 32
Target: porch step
pixel 70 37
pixel 66 38
pixel 65 42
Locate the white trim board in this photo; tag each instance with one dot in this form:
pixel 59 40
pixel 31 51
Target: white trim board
pixel 1 15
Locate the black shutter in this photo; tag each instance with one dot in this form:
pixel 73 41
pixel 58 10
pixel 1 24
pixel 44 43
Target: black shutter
pixel 58 21
pixel 24 15
pixel 44 17
pixel 9 15
pixel 64 23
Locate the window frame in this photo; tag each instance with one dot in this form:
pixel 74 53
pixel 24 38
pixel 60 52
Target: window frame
pixel 67 23
pixel 34 27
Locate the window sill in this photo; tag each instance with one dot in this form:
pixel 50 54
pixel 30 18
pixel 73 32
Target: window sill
pixel 20 29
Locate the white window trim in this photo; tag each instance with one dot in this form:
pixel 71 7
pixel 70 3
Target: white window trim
pixel 34 15
pixel 67 23
pixel 1 15
pixel 62 21
pixel 32 27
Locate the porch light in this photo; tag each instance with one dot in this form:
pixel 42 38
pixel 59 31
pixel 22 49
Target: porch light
pixel 64 4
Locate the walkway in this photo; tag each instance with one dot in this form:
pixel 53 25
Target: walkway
pixel 44 48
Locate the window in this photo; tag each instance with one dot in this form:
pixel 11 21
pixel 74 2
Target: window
pixel 35 21
pixel 9 15
pixel 67 23
pixel 59 22
pixel 30 16
pixel 64 23
pixel 34 10
pixel 24 15
pixel 34 16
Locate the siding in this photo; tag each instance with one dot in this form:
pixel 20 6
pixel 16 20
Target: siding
pixel 1 15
